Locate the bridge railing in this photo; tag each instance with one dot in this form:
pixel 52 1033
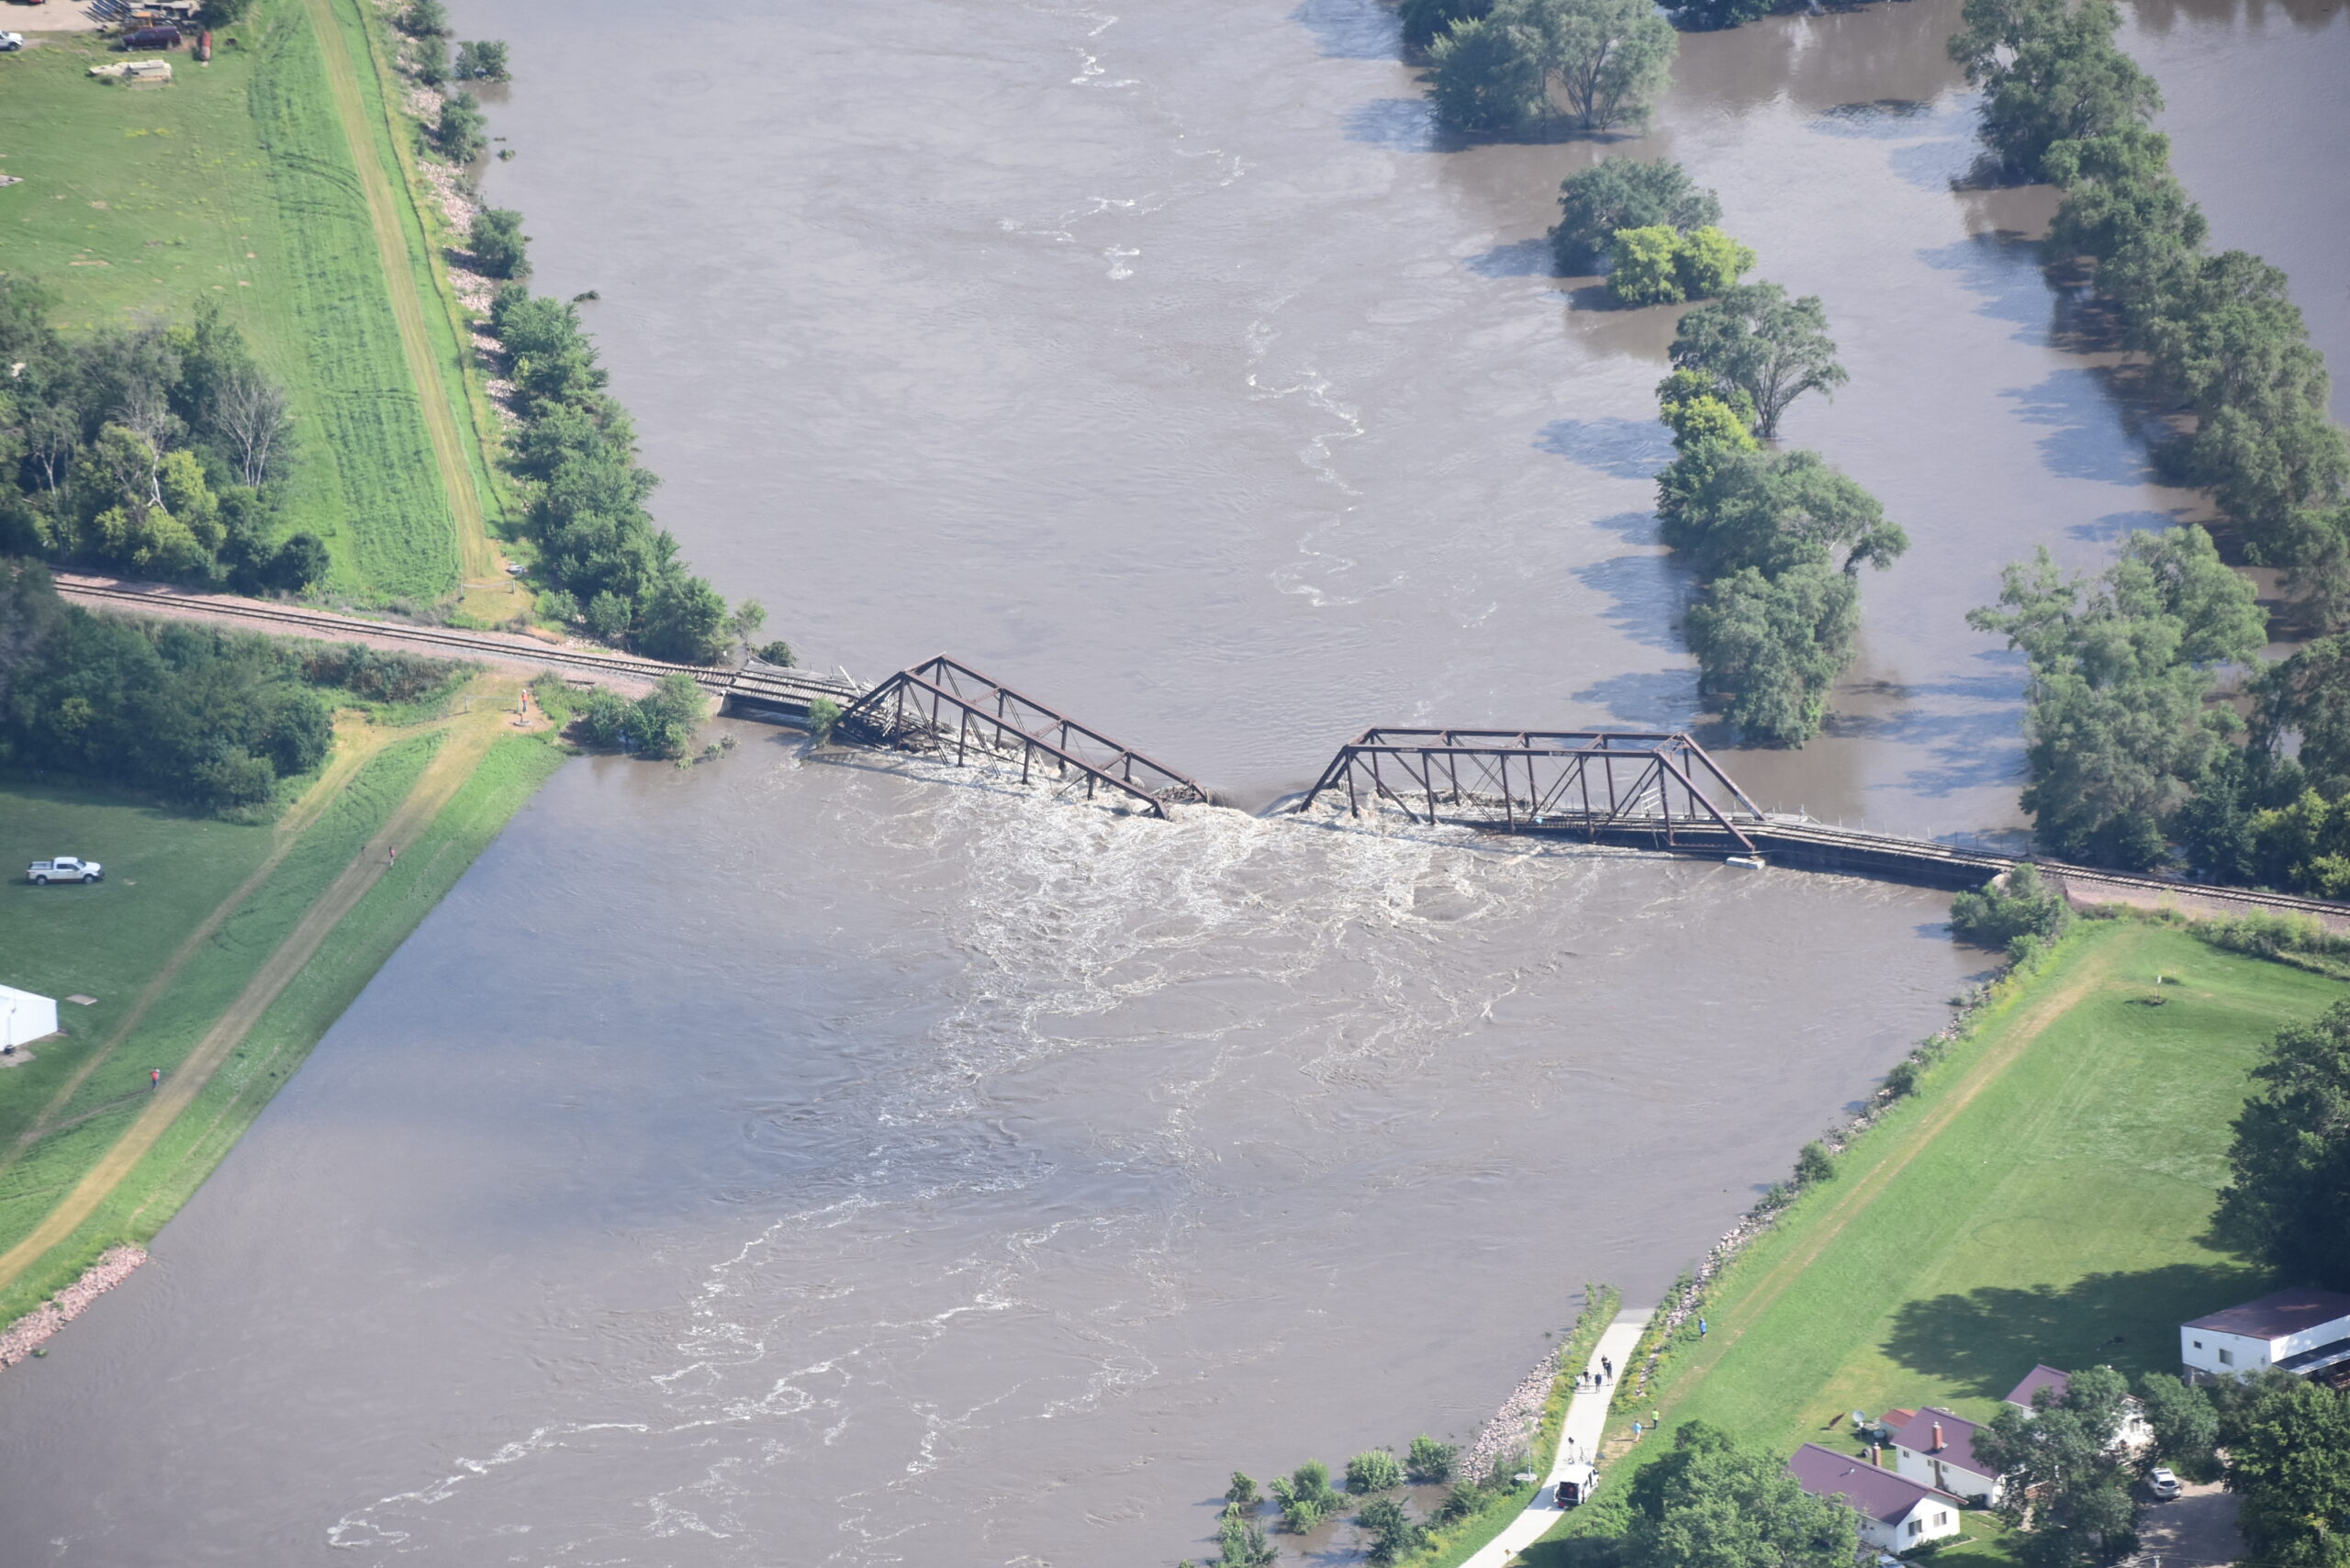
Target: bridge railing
pixel 1604 783
pixel 943 705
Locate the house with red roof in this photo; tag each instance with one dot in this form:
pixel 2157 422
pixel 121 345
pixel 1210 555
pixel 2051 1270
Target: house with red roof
pixel 1895 1512
pixel 1936 1449
pixel 2132 1434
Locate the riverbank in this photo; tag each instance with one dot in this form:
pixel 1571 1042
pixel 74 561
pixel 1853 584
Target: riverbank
pixel 217 955
pixel 2045 1197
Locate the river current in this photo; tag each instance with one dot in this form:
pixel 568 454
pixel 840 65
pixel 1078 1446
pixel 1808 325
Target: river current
pixel 824 1159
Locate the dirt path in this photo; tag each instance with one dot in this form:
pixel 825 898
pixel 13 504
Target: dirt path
pixel 2044 1009
pixel 469 738
pixel 354 743
pixel 477 559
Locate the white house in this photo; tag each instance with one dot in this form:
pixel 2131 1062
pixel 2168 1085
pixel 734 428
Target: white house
pixel 1936 1449
pixel 25 1018
pixel 2134 1434
pixel 2303 1331
pixel 1895 1512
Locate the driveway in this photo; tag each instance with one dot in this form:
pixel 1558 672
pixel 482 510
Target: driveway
pixel 2195 1529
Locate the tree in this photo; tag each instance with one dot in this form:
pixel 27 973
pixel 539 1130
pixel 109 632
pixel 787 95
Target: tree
pixel 1625 193
pixel 684 620
pixel 1756 341
pixel 1773 648
pixel 2289 1165
pixel 499 245
pixel 1243 1544
pixel 1487 75
pixel 744 623
pixel 1733 505
pixel 1610 57
pixel 2061 1474
pixel 1647 269
pixel 1709 1504
pixel 1701 419
pixel 2310 694
pixel 251 411
pixel 663 721
pixel 1429 1463
pixel 1375 1471
pixel 2185 1424
pixel 2026 910
pixel 1704 14
pixel 2289 1458
pixel 2116 722
pixel 1424 21
pixel 2050 73
pixel 460 133
pixel 1241 1494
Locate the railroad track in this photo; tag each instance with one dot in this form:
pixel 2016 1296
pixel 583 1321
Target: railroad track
pixel 769 686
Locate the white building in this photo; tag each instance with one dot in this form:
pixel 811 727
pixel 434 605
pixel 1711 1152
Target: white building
pixel 1897 1513
pixel 2134 1432
pixel 2303 1331
pixel 25 1018
pixel 1936 1449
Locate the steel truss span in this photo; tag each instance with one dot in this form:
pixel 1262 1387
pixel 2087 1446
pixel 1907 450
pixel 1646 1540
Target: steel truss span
pixel 1606 784
pixel 943 706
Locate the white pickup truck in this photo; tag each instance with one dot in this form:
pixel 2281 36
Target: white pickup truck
pixel 64 869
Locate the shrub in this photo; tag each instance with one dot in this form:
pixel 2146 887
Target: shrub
pixel 1904 1078
pixel 1242 1493
pixel 823 714
pixel 776 652
pixel 497 243
pixel 1394 1534
pixel 1814 1165
pixel 425 19
pixel 482 62
pixel 299 562
pixel 1429 1461
pixel 1377 1471
pixel 1997 917
pixel 460 135
pixel 1306 1496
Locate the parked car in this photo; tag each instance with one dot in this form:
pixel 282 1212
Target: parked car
pixel 11 42
pixel 2161 1484
pixel 64 869
pixel 151 37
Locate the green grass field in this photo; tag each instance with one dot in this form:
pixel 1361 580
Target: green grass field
pixel 237 183
pixel 2047 1198
pixel 164 875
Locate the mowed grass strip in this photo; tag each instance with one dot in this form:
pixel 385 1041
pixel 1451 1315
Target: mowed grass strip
pixel 2048 1198
pixel 110 944
pixel 499 781
pixel 236 184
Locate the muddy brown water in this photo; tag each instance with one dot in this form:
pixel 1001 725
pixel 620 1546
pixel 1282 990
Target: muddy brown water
pixel 818 1160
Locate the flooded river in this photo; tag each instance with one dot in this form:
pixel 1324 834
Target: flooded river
pixel 820 1161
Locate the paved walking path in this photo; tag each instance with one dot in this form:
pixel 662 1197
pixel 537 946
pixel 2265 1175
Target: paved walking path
pixel 1578 1444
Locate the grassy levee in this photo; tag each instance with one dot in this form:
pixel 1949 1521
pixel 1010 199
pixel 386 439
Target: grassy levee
pixel 89 1154
pixel 2046 1197
pixel 237 183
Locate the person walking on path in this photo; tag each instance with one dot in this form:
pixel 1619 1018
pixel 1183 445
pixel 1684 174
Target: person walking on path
pixel 154 1078
pixel 392 856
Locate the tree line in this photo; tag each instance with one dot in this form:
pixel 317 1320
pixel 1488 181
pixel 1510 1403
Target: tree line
pixel 192 714
pixel 152 450
pixel 604 565
pixel 2133 761
pixel 1778 538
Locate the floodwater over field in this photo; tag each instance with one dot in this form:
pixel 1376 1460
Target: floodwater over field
pixel 830 1161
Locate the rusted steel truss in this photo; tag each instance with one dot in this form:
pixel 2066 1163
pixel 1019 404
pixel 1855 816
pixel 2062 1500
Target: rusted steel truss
pixel 943 706
pixel 1605 783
